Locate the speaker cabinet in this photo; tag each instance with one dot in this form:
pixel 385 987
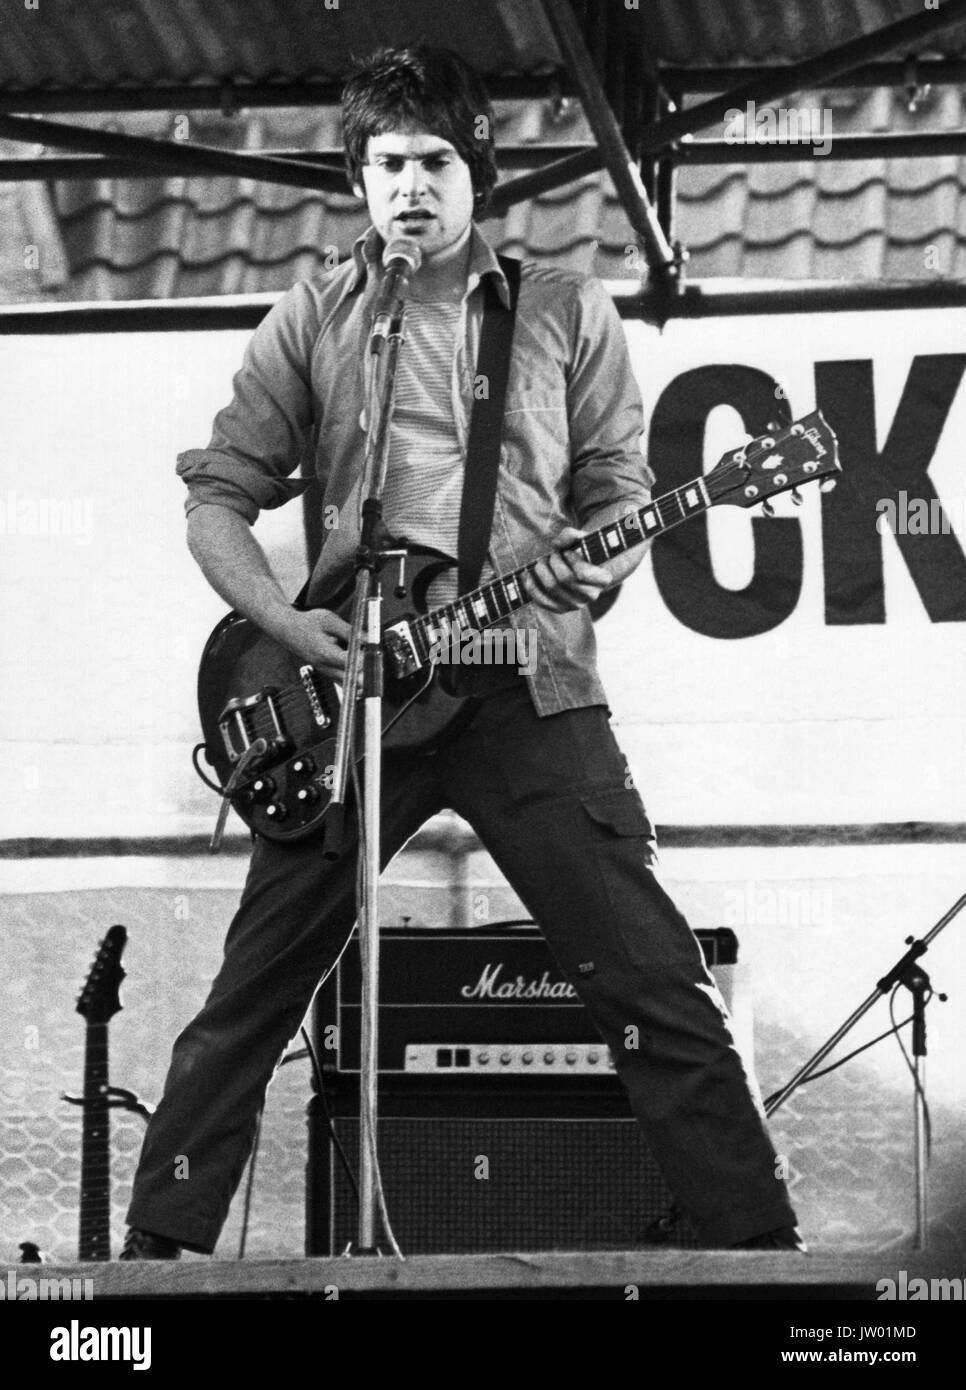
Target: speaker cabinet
pixel 506 1170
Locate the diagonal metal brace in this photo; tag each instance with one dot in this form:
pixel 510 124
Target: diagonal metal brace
pixel 616 157
pixel 188 159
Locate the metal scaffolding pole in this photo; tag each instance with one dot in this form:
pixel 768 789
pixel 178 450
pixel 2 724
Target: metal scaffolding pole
pixel 79 166
pixel 600 115
pixel 229 97
pixel 931 144
pixel 182 158
pixel 934 72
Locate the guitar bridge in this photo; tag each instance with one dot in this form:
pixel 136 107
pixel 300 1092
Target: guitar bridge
pixel 400 650
pixel 237 725
pixel 307 677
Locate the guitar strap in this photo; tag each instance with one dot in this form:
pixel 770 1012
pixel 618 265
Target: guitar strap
pixel 486 431
pixel 486 426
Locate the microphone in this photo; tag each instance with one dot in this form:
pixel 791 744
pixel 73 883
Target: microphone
pixel 401 259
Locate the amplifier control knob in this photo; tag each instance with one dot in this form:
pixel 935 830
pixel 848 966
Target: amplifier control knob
pixel 592 1058
pixel 483 1058
pixel 527 1058
pixel 548 1057
pixel 506 1058
pixel 571 1059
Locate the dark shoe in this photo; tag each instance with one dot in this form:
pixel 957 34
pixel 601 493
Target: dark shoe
pixel 781 1238
pixel 142 1245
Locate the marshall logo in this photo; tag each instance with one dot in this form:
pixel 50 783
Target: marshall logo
pixel 490 986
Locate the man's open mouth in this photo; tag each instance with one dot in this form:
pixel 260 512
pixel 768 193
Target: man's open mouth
pixel 412 217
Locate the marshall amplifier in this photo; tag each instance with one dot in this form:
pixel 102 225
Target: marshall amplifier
pixel 501 1122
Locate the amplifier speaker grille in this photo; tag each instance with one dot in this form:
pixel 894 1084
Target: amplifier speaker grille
pixel 543 1184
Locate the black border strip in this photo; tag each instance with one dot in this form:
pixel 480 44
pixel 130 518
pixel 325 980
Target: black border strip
pixel 699 300
pixel 460 841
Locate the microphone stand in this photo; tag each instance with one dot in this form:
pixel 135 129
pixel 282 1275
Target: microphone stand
pixel 908 972
pixel 364 680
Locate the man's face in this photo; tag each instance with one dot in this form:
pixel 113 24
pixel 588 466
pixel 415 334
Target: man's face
pixel 418 186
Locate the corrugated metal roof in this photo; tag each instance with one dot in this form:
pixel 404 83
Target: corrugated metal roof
pixel 711 33
pixel 817 218
pixel 156 42
pixel 146 43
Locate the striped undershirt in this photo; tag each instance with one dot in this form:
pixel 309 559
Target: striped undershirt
pixel 424 480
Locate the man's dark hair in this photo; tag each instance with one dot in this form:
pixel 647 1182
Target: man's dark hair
pixel 431 88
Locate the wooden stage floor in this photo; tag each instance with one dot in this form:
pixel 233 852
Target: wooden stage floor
pixel 621 1275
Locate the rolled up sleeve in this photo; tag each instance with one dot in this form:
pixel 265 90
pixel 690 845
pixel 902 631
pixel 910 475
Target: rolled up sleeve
pixel 605 413
pixel 260 438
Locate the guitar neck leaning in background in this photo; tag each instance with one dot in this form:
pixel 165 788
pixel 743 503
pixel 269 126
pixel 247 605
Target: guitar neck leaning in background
pixel 98 1002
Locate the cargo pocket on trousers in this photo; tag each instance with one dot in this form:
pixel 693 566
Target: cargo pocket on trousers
pixel 622 813
pixel 626 847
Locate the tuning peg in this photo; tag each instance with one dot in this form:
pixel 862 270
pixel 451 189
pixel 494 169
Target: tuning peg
pixel 827 484
pixel 773 427
pixel 797 497
pixel 767 509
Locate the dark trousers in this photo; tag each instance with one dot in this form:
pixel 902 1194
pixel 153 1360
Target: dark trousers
pixel 551 801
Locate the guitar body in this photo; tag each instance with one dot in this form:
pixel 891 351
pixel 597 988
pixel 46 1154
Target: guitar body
pixel 272 694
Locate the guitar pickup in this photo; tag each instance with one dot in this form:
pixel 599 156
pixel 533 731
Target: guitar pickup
pixel 400 650
pixel 237 725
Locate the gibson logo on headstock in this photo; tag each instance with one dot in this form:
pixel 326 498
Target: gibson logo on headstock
pixel 490 986
pixel 813 436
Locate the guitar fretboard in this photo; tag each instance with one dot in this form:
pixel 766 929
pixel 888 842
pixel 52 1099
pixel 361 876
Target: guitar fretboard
pixel 497 599
pixel 94 1241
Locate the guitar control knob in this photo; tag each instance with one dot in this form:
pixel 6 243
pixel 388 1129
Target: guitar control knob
pixel 263 789
pixel 307 796
pixel 276 810
pixel 304 766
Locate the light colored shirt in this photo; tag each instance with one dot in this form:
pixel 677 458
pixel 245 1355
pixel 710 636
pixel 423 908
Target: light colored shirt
pixel 424 477
pixel 571 442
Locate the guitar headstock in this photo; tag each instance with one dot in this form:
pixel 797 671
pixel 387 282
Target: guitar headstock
pixel 100 1000
pixel 779 461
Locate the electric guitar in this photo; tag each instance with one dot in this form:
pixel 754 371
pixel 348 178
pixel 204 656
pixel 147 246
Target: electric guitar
pixel 269 719
pixel 98 1002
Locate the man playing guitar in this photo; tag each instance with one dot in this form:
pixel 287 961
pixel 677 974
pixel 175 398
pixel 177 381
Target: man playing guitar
pixel 535 770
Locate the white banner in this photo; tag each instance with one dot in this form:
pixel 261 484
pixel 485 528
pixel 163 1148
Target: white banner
pixel 812 674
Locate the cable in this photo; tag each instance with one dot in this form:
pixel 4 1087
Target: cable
pixel 366 1128
pixel 889 1032
pixel 246 1210
pixel 310 1052
pixel 914 1074
pixel 203 775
